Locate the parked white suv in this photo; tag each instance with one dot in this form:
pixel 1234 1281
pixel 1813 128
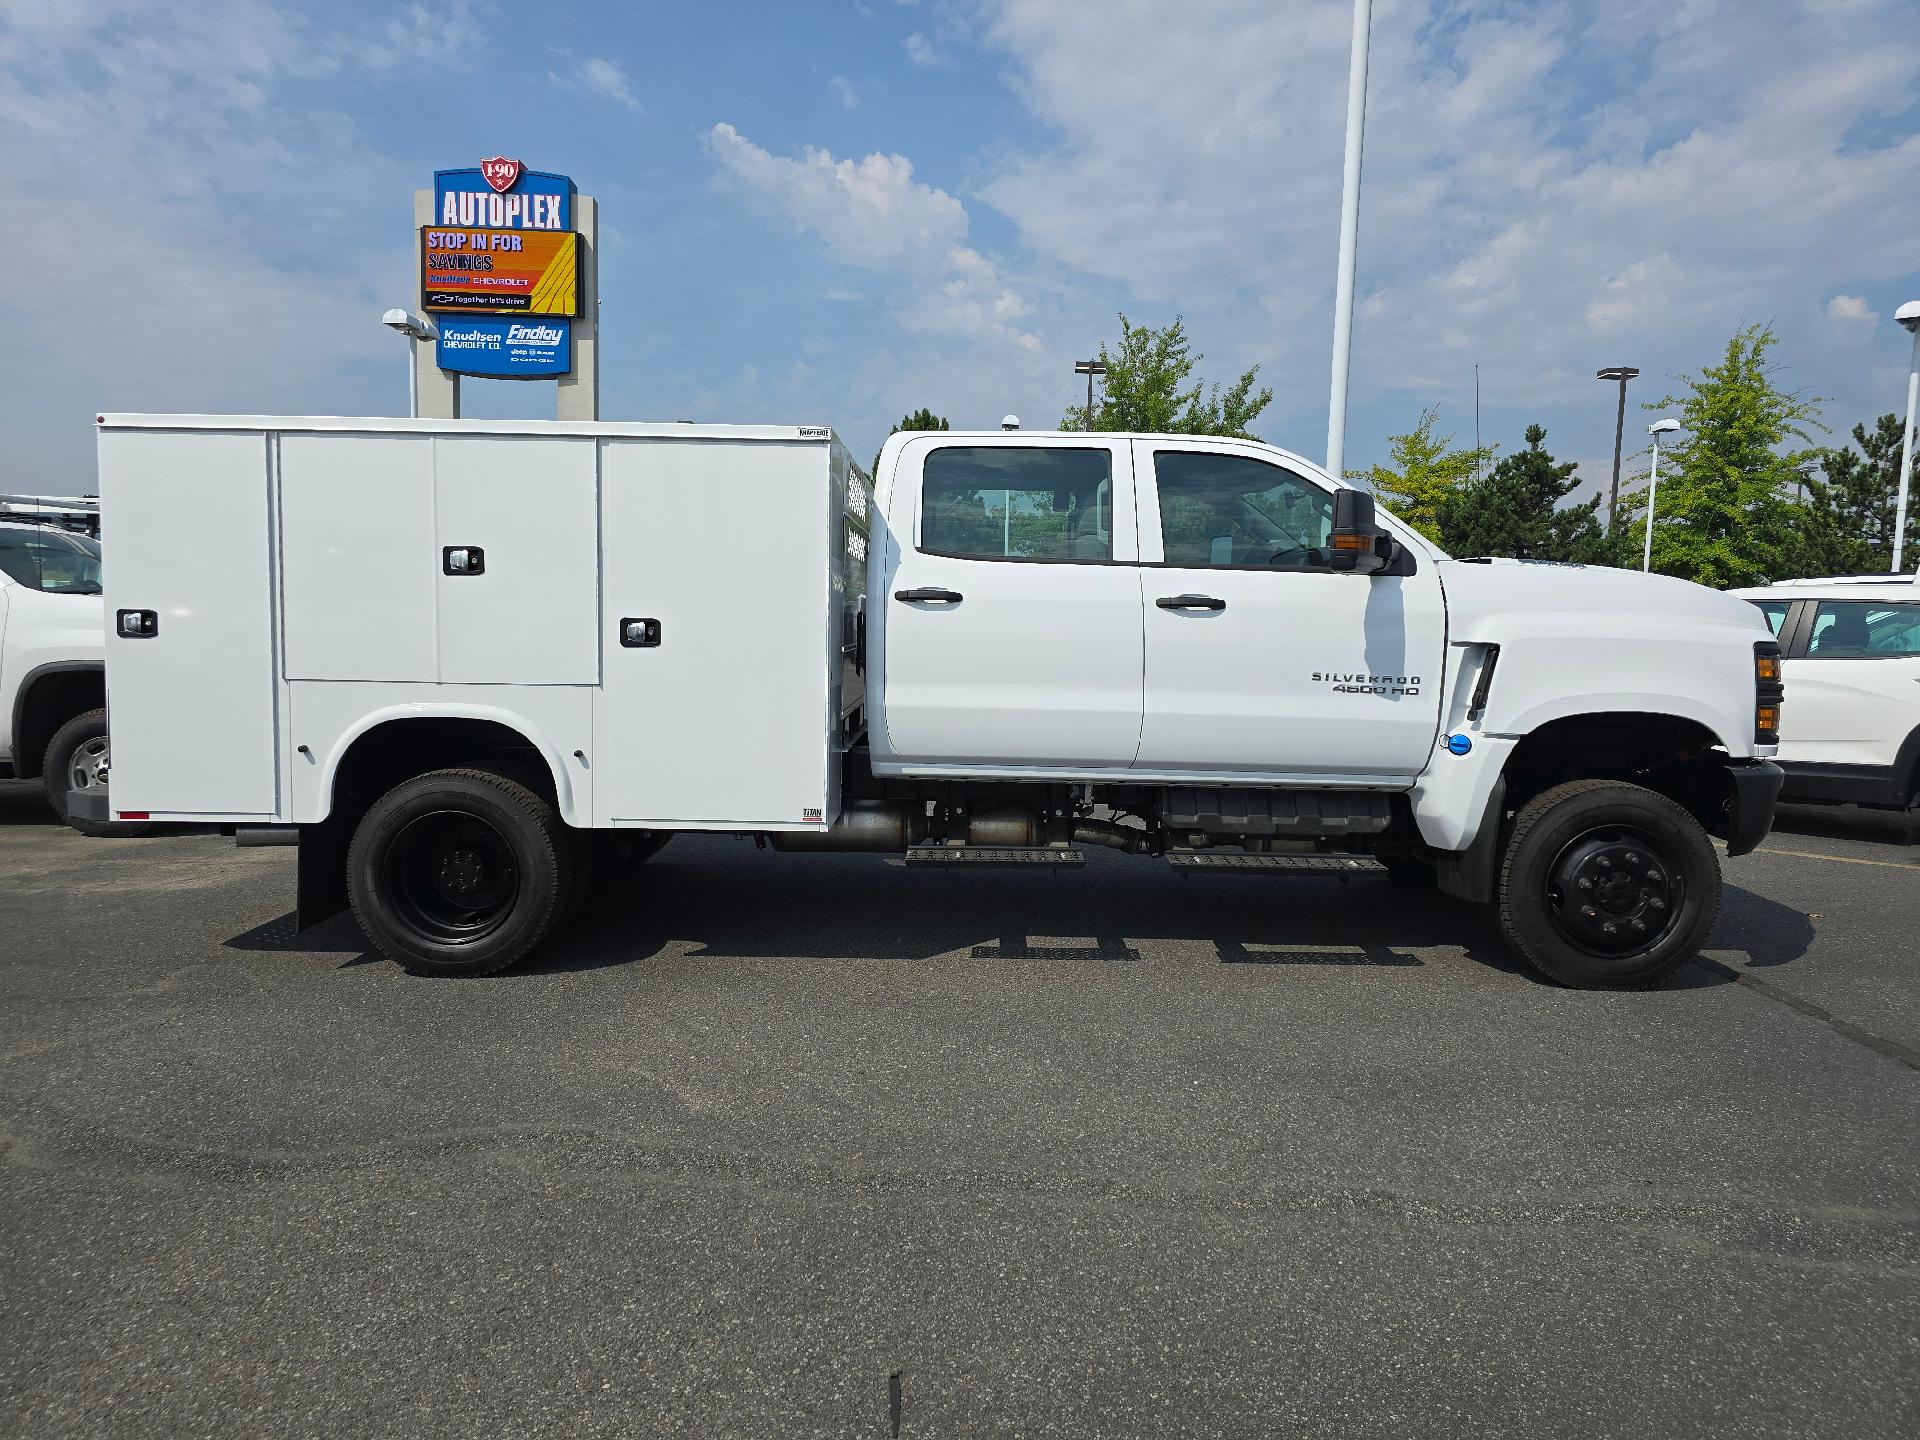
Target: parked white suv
pixel 1850 733
pixel 53 694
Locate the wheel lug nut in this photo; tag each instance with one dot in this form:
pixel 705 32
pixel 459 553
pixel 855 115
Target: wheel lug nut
pixel 1587 912
pixel 1632 859
pixel 1609 928
pixel 1657 903
pixel 1653 874
pixel 1605 863
pixel 1639 924
pixel 1585 884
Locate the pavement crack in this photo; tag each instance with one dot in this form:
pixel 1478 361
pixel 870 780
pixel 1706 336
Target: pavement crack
pixel 1879 1044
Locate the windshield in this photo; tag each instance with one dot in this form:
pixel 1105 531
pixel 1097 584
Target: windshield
pixel 55 561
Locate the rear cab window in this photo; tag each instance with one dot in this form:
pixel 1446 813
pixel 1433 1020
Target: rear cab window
pixel 1018 502
pixel 1864 630
pixel 52 561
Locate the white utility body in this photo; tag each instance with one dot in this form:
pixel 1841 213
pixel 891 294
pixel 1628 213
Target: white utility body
pixel 1004 645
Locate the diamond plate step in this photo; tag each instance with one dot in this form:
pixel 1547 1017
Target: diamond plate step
pixel 974 856
pixel 1344 865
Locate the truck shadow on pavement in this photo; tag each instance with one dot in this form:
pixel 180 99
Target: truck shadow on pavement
pixel 711 903
pixel 855 908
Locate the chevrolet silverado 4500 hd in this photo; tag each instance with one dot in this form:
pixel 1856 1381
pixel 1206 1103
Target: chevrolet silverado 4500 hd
pixel 457 662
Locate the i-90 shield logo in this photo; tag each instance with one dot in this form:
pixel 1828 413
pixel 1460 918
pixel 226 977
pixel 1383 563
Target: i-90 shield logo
pixel 500 173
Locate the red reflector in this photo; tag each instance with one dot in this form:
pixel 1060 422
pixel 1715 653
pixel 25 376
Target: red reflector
pixel 131 814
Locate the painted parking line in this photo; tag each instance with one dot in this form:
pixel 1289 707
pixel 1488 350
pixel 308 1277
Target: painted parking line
pixel 1839 859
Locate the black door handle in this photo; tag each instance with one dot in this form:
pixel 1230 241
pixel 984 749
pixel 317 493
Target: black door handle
pixel 1190 602
pixel 929 592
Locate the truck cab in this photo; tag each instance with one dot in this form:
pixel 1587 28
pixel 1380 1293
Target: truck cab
pixel 1003 648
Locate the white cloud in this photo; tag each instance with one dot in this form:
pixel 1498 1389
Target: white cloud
pixel 173 168
pixel 1549 188
pixel 1850 310
pixel 873 214
pixel 920 50
pixel 606 79
pixel 844 92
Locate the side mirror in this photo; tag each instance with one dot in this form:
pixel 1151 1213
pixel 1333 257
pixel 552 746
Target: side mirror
pixel 1356 543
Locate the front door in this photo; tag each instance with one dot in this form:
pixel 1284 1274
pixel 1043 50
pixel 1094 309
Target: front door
pixel 1260 661
pixel 1852 696
pixel 1012 605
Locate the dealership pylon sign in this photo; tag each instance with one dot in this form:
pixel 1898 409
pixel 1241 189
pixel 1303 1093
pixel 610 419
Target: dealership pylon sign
pixel 501 270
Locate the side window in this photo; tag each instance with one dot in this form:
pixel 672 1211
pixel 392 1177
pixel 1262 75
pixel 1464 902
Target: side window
pixel 1230 510
pixel 1864 630
pixel 53 561
pixel 1775 612
pixel 1017 502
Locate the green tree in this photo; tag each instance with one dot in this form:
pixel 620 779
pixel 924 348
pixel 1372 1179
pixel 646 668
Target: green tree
pixel 921 419
pixel 1847 522
pixel 1515 510
pixel 1726 510
pixel 1147 389
pixel 1423 472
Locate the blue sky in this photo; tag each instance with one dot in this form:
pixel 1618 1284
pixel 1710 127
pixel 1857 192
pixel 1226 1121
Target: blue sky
pixel 835 212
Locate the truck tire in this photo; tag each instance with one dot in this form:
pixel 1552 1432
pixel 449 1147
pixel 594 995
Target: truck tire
pixel 459 872
pixel 77 758
pixel 1607 886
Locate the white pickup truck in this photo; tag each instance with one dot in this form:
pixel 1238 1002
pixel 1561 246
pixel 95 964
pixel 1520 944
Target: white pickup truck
pixel 53 719
pixel 456 661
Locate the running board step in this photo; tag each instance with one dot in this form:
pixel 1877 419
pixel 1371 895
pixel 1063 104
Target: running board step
pixel 937 856
pixel 1344 866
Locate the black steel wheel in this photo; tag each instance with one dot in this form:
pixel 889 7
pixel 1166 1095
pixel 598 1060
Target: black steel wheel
pixel 1607 885
pixel 1614 890
pixel 452 876
pixel 459 872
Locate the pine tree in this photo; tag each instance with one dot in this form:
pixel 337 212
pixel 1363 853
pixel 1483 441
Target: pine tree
pixel 1847 521
pixel 1726 516
pixel 1514 510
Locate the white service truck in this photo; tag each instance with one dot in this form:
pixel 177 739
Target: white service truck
pixel 460 662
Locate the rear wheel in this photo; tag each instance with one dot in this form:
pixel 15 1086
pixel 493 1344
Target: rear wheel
pixel 459 872
pixel 1607 886
pixel 78 758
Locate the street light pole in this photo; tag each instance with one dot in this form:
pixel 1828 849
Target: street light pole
pixel 1909 316
pixel 1349 238
pixel 1089 368
pixel 1622 373
pixel 416 328
pixel 1657 429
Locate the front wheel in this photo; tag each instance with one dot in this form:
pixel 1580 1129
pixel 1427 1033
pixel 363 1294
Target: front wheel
pixel 78 758
pixel 1607 886
pixel 459 872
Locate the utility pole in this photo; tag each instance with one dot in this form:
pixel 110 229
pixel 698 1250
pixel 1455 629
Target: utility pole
pixel 1622 373
pixel 1349 238
pixel 1089 368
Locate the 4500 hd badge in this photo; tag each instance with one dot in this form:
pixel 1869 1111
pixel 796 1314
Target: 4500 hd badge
pixel 1389 685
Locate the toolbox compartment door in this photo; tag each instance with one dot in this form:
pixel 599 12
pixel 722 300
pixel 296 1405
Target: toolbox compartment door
pixel 529 505
pixel 193 701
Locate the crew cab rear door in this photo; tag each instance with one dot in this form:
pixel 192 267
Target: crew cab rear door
pixel 1260 661
pixel 1012 624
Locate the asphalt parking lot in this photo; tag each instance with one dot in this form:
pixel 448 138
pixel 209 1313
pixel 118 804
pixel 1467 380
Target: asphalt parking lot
pixel 796 1145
